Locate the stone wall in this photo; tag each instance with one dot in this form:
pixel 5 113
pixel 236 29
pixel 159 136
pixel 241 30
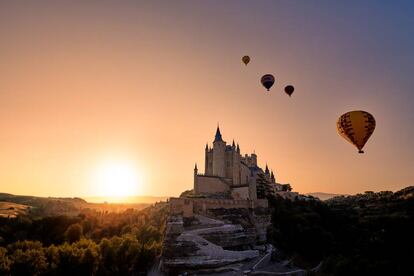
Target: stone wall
pixel 181 206
pixel 240 192
pixel 211 185
pixel 188 206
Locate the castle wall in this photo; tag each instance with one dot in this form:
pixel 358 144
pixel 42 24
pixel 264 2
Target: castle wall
pixel 229 164
pixel 182 206
pixel 187 207
pixel 211 185
pixel 252 189
pixel 244 174
pixel 240 193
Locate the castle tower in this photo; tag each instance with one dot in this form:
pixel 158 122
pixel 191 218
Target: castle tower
pixel 195 179
pixel 267 173
pixel 254 159
pixel 206 160
pixel 236 165
pixel 219 151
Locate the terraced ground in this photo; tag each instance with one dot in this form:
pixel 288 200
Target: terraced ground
pixel 11 210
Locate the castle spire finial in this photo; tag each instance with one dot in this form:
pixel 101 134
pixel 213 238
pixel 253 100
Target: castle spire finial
pixel 233 145
pixel 218 135
pixel 267 169
pixel 195 167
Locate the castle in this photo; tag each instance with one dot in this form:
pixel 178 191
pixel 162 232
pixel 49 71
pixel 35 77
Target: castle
pixel 228 174
pixel 224 219
pixel 230 181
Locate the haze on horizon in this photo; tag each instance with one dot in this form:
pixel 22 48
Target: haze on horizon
pixel 146 82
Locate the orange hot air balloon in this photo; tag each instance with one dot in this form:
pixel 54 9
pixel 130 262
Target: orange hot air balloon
pixel 356 127
pixel 246 60
pixel 267 81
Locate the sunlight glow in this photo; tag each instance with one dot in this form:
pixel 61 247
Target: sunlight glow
pixel 117 179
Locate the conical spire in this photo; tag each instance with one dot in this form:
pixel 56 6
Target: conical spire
pixel 206 146
pixel 218 135
pixel 267 170
pixel 195 167
pixel 272 176
pixel 238 148
pixel 233 144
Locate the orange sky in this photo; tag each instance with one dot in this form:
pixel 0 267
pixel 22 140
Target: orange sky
pixel 82 83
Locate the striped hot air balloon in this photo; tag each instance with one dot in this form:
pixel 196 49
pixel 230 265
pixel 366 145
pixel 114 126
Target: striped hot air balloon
pixel 356 127
pixel 267 81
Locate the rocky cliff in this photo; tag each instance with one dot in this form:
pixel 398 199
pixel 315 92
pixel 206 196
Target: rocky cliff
pixel 218 241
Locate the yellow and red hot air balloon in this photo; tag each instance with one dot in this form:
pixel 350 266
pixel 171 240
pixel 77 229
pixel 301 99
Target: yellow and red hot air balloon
pixel 246 60
pixel 356 127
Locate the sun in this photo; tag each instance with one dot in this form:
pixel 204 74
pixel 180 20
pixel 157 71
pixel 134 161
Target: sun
pixel 117 179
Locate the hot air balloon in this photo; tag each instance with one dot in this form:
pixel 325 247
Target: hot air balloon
pixel 289 90
pixel 356 127
pixel 268 81
pixel 246 60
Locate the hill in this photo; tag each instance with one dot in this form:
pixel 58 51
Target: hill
pixel 363 234
pixel 129 199
pixel 49 206
pixel 323 196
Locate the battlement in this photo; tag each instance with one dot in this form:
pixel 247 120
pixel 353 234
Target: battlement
pixel 188 206
pixel 249 160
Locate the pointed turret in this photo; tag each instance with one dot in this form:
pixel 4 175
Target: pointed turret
pixel 233 145
pixel 219 155
pixel 266 170
pixel 218 135
pixel 195 179
pixel 206 146
pixel 272 176
pixel 238 148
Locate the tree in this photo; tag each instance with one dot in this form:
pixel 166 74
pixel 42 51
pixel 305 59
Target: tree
pixel 29 262
pixel 286 187
pixel 263 186
pixel 4 262
pixel 74 232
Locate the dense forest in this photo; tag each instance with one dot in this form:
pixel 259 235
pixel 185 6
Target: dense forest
pixel 365 234
pixel 103 243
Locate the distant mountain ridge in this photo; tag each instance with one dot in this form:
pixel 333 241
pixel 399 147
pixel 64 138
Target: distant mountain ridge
pixel 49 206
pixel 127 199
pixel 324 196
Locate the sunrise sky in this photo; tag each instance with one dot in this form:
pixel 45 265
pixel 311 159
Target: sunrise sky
pixel 84 84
